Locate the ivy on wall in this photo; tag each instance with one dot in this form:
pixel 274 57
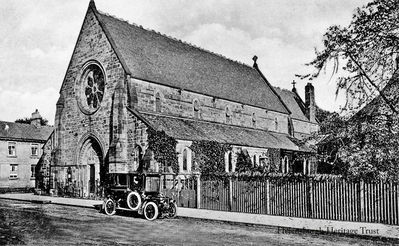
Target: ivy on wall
pixel 209 156
pixel 164 149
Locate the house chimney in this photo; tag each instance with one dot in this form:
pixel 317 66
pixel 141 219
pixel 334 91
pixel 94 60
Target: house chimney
pixel 36 119
pixel 310 102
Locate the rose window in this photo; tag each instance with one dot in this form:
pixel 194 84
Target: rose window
pixel 91 89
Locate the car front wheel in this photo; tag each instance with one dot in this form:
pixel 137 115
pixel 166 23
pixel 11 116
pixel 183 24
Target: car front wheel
pixel 110 207
pixel 151 211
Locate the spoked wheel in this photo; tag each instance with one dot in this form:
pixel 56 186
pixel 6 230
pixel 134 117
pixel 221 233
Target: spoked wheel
pixel 110 207
pixel 172 210
pixel 134 200
pixel 151 211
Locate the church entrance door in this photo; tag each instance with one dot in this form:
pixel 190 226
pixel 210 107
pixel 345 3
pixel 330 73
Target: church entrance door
pixel 90 166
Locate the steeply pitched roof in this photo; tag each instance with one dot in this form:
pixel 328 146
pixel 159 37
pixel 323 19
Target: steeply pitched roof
pixel 187 129
pixel 153 57
pixel 293 102
pixel 27 132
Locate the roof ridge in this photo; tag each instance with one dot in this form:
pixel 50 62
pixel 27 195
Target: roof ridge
pixel 175 39
pixel 25 124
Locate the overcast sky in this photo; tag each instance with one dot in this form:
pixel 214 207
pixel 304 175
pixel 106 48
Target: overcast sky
pixel 37 39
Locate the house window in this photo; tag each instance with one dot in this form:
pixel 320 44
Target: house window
pixel 12 149
pixel 35 149
pixel 229 162
pixel 33 171
pixel 254 164
pixel 13 171
pixel 275 124
pixel 196 109
pixel 185 159
pixel 228 116
pixel 158 102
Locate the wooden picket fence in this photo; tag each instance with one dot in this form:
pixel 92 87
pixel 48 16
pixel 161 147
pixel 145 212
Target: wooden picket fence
pixel 339 199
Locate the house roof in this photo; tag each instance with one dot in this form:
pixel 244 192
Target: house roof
pixel 188 129
pixel 154 57
pixel 293 102
pixel 26 132
pixel 377 103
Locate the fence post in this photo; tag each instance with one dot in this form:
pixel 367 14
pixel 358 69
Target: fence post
pixel 267 196
pixel 230 194
pixel 309 192
pixel 361 200
pixel 198 190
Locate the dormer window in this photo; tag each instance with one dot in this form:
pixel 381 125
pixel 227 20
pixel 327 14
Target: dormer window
pixel 196 108
pixel 228 115
pixel 158 104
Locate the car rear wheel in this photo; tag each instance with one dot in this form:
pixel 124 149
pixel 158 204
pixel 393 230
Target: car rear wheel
pixel 110 207
pixel 151 211
pixel 134 200
pixel 172 210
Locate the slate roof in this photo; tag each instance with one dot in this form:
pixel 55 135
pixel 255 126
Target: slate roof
pixel 293 102
pixel 188 129
pixel 25 132
pixel 154 57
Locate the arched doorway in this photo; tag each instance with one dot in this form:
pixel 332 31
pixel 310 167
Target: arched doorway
pixel 90 168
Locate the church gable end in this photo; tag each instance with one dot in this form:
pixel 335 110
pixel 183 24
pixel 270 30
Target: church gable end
pixel 87 94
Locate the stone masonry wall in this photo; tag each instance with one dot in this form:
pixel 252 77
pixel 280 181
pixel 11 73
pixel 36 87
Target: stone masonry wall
pixel 91 45
pixel 181 103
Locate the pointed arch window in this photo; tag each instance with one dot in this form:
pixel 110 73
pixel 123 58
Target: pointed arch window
pixel 185 159
pixel 137 155
pixel 158 104
pixel 196 108
pixel 228 115
pixel 230 162
pixel 285 165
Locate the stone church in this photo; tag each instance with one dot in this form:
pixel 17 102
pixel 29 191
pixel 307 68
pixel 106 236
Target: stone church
pixel 123 79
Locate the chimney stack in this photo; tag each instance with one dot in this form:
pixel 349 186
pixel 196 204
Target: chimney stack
pixel 36 119
pixel 310 102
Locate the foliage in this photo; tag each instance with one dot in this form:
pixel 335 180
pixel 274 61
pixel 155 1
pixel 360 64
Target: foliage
pixel 164 148
pixel 363 53
pixel 26 120
pixel 209 155
pixel 244 162
pixel 273 177
pixel 365 58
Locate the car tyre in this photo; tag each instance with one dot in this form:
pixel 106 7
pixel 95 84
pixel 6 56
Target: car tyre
pixel 151 211
pixel 134 200
pixel 172 210
pixel 109 207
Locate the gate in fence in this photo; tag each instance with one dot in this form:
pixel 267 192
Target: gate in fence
pixel 182 189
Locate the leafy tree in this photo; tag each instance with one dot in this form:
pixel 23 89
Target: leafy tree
pixel 365 58
pixel 363 53
pixel 26 120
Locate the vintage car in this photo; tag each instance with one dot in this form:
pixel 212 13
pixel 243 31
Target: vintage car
pixel 140 193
